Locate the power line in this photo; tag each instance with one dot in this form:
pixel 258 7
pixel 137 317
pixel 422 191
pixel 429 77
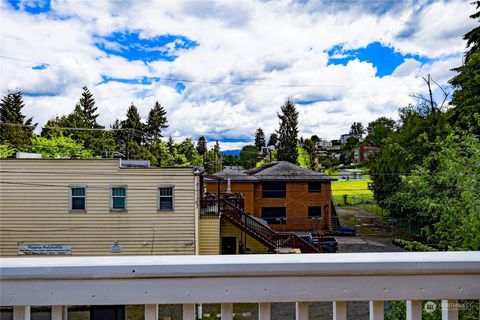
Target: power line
pixel 73 129
pixel 222 83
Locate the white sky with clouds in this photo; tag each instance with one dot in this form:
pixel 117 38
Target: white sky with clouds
pixel 277 42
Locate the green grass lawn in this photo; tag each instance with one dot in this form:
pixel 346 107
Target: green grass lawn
pixel 354 189
pixel 357 194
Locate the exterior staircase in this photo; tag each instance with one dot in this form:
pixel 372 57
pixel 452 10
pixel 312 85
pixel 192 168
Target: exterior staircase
pixel 260 232
pixel 335 223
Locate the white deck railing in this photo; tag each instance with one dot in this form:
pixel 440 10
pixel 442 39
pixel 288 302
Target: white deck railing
pixel 262 279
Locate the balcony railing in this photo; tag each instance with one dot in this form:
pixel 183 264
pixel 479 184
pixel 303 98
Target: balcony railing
pixel 262 279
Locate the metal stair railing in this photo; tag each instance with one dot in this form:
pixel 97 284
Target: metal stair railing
pixel 243 220
pixel 263 233
pixel 335 221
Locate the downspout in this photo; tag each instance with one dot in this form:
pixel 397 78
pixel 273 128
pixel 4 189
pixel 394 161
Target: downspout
pixel 197 182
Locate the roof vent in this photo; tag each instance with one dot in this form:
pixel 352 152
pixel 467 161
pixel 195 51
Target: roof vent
pixel 134 163
pixel 28 155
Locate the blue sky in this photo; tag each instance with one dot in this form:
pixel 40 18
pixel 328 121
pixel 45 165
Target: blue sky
pixel 132 46
pixel 384 58
pixel 223 69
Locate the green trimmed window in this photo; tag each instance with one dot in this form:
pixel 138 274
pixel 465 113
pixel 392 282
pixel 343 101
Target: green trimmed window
pixel 78 198
pixel 119 198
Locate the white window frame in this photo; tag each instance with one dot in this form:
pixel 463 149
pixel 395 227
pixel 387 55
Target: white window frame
pixel 111 198
pixel 70 197
pixel 170 186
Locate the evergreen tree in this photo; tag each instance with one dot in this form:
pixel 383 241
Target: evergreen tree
pixel 216 155
pixel 118 134
pixel 14 128
pixel 473 37
pixel 133 125
pixel 259 139
pixel 273 140
pixel 157 120
pixel 311 152
pixel 288 132
pixel 466 99
pixel 87 105
pixel 202 148
pixel 171 146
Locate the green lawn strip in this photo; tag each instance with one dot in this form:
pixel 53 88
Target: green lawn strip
pixel 356 190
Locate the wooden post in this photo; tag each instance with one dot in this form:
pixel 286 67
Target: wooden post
pixel 301 311
pixel 449 309
pixel 339 310
pixel 189 311
pixel 414 310
pixel 57 313
pixel 151 312
pixel 264 311
pixel 227 311
pixel 218 196
pixel 21 313
pixel 65 312
pixel 376 310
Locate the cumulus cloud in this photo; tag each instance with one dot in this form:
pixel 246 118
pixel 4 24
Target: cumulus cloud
pixel 247 59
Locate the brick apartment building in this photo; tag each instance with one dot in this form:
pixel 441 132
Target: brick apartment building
pixel 288 197
pixel 364 153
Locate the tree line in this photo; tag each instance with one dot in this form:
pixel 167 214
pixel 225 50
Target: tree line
pixel 429 167
pixel 79 135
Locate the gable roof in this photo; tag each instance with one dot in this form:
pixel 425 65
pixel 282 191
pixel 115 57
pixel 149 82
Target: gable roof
pixel 273 171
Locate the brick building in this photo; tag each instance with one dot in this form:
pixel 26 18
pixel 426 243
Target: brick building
pixel 288 197
pixel 364 153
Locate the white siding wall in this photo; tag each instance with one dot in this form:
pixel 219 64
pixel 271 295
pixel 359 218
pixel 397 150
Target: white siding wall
pixel 34 207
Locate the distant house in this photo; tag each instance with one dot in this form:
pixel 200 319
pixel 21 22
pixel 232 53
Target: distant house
pixel 288 197
pixel 323 144
pixel 344 138
pixel 364 153
pixel 350 174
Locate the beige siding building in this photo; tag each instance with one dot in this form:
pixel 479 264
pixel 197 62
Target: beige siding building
pixel 97 207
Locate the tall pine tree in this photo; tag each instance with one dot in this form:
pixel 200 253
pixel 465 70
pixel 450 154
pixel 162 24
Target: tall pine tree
pixel 171 146
pixel 15 130
pixel 133 126
pixel 466 99
pixel 288 133
pixel 202 147
pixel 259 139
pixel 273 140
pixel 87 105
pixel 157 120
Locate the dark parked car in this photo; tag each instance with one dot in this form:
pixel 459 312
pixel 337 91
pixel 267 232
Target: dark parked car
pixel 325 244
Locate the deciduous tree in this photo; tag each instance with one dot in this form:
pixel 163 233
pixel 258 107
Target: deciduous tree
pixel 379 130
pixel 249 156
